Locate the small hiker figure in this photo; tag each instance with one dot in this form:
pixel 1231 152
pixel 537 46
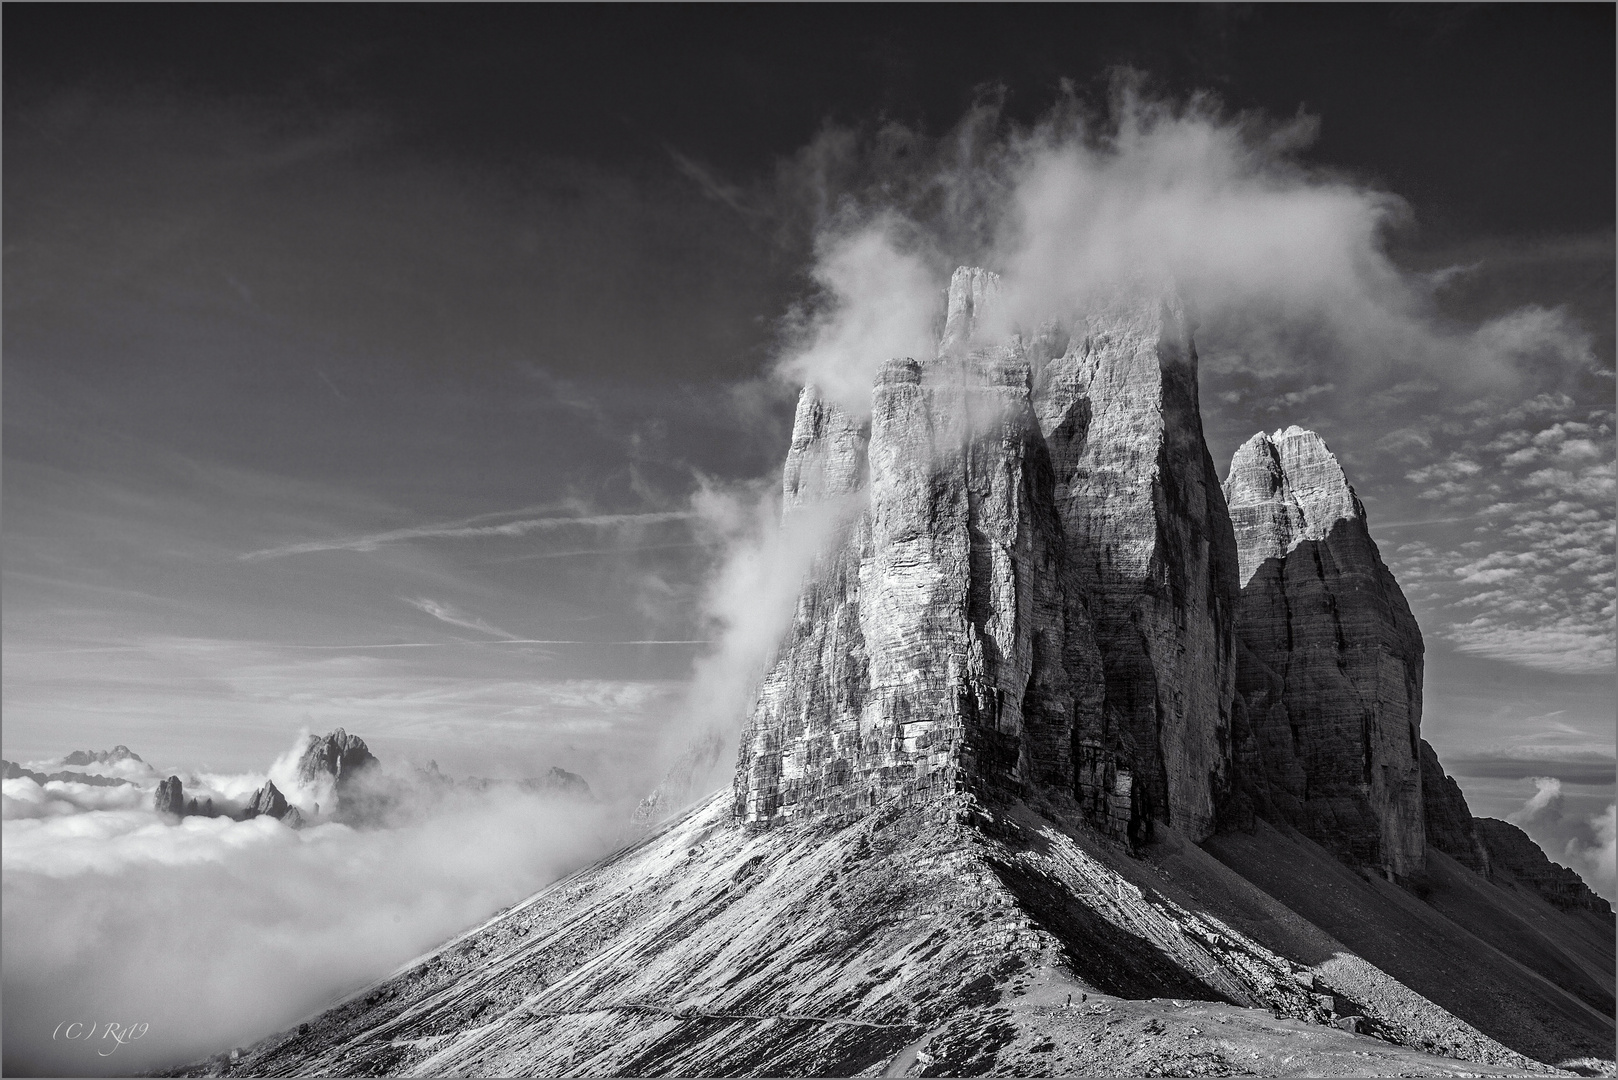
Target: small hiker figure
pixel 1070 1001
pixel 1082 997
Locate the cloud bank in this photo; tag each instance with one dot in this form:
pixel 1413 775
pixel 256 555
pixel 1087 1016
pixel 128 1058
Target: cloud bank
pixel 216 932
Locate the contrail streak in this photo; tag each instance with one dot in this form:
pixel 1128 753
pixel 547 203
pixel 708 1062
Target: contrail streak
pixel 463 529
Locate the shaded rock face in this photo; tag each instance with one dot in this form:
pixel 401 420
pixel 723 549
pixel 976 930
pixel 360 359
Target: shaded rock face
pixel 339 756
pixel 170 797
pixel 1513 855
pixel 1446 817
pixel 1149 542
pixel 1031 583
pixel 1331 658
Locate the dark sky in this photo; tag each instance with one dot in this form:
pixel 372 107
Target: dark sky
pixel 283 280
pixel 1429 98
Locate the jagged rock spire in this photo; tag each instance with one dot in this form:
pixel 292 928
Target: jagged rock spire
pixel 1331 666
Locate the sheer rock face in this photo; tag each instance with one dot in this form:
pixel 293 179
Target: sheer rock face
pixel 1514 856
pixel 1447 818
pixel 1014 504
pixel 1332 658
pixel 938 645
pixel 1149 542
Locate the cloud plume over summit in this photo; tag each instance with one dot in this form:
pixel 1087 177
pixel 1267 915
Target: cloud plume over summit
pixel 1287 265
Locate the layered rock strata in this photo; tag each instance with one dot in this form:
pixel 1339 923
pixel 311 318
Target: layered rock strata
pixel 1149 542
pixel 1331 658
pixel 938 645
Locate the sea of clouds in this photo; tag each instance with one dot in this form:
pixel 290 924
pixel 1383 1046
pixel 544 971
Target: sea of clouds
pixel 213 932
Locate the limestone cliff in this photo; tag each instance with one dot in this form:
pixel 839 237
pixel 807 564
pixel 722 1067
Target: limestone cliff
pixel 1149 543
pixel 1033 581
pixel 1331 658
pixel 938 645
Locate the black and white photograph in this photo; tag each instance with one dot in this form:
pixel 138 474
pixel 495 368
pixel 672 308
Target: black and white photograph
pixel 618 540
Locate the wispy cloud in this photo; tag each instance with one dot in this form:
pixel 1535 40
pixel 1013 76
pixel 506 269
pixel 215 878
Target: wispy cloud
pixel 467 528
pixel 448 614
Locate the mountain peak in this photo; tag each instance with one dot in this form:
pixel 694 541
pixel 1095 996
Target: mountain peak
pixel 337 757
pixel 972 306
pixel 1283 488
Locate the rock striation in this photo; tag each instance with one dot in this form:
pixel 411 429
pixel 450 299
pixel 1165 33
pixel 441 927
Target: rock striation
pixel 1330 658
pixel 938 645
pixel 1030 584
pixel 1149 542
pixel 1446 818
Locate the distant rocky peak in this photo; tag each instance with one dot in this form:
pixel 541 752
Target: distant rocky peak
pixel 170 797
pixel 1284 488
pixel 102 757
pixel 337 757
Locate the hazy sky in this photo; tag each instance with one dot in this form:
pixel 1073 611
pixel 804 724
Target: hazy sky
pixel 361 364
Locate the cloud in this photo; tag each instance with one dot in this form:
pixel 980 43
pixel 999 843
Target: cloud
pixel 448 614
pixel 1596 858
pixel 467 528
pixel 1285 264
pixel 1545 805
pixel 1582 842
pixel 1569 766
pixel 748 604
pixel 879 301
pixel 246 926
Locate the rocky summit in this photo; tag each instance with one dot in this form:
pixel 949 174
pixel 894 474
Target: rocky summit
pixel 1072 760
pixel 1330 664
pixel 337 759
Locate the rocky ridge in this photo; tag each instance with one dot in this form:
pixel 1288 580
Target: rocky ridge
pixel 1448 821
pixel 936 939
pixel 102 757
pixel 1514 857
